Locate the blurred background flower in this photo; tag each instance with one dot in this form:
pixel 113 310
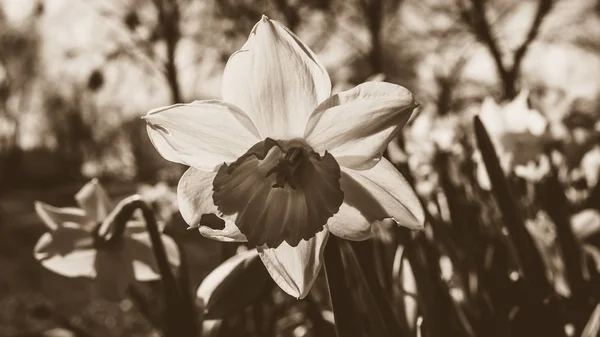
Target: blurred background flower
pixel 75 246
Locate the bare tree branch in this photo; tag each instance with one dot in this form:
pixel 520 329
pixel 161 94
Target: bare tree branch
pixel 168 20
pixel 483 31
pixel 544 7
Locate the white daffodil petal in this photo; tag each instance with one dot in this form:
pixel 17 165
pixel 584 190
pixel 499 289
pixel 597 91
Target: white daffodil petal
pixel 195 199
pixel 355 126
pixel 349 223
pixel 94 200
pixel 586 223
pixel 276 79
pixel 490 116
pixel 382 192
pixel 203 134
pixel 54 217
pixel 295 269
pixel 62 257
pixel 139 251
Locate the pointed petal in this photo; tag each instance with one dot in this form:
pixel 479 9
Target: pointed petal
pixel 203 134
pixel 67 251
pixel 195 199
pixel 491 117
pixel 380 193
pixel 276 79
pixel 94 200
pixel 54 217
pixel 355 126
pixel 295 269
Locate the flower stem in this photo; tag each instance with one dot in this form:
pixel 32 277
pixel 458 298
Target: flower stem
pixel 344 312
pixel 179 324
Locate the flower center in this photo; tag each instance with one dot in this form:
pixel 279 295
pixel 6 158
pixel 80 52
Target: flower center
pixel 279 191
pixel 286 168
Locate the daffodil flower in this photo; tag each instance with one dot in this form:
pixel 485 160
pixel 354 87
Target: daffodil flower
pixel 518 133
pixel 71 247
pixel 283 163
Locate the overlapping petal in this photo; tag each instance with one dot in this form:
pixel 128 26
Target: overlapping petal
pixel 295 269
pixel 253 185
pixel 276 79
pixel 67 251
pixel 275 200
pixel 140 254
pixel 203 134
pixel 94 200
pixel 355 126
pixel 376 194
pixel 349 223
pixel 54 217
pixel 195 199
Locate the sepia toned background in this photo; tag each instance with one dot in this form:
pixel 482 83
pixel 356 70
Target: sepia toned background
pixel 77 75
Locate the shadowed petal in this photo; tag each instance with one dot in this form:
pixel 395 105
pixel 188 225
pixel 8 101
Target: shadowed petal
pixel 276 79
pixel 203 134
pixel 355 126
pixel 141 255
pixel 195 199
pixel 279 194
pixel 349 223
pixel 295 269
pixel 67 252
pixel 54 217
pixel 114 271
pixel 94 200
pixel 377 194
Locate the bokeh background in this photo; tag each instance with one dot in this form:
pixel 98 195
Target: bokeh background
pixel 77 75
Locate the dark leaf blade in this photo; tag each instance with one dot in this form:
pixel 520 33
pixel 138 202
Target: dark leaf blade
pixel 358 257
pixel 531 262
pixel 592 328
pixel 233 285
pixel 555 203
pixel 344 311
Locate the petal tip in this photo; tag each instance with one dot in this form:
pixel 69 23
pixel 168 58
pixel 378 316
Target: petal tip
pixel 413 226
pixel 157 127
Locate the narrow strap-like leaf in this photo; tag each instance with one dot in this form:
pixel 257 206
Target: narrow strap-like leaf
pixel 532 264
pixel 554 202
pixel 592 328
pixel 358 256
pixel 344 312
